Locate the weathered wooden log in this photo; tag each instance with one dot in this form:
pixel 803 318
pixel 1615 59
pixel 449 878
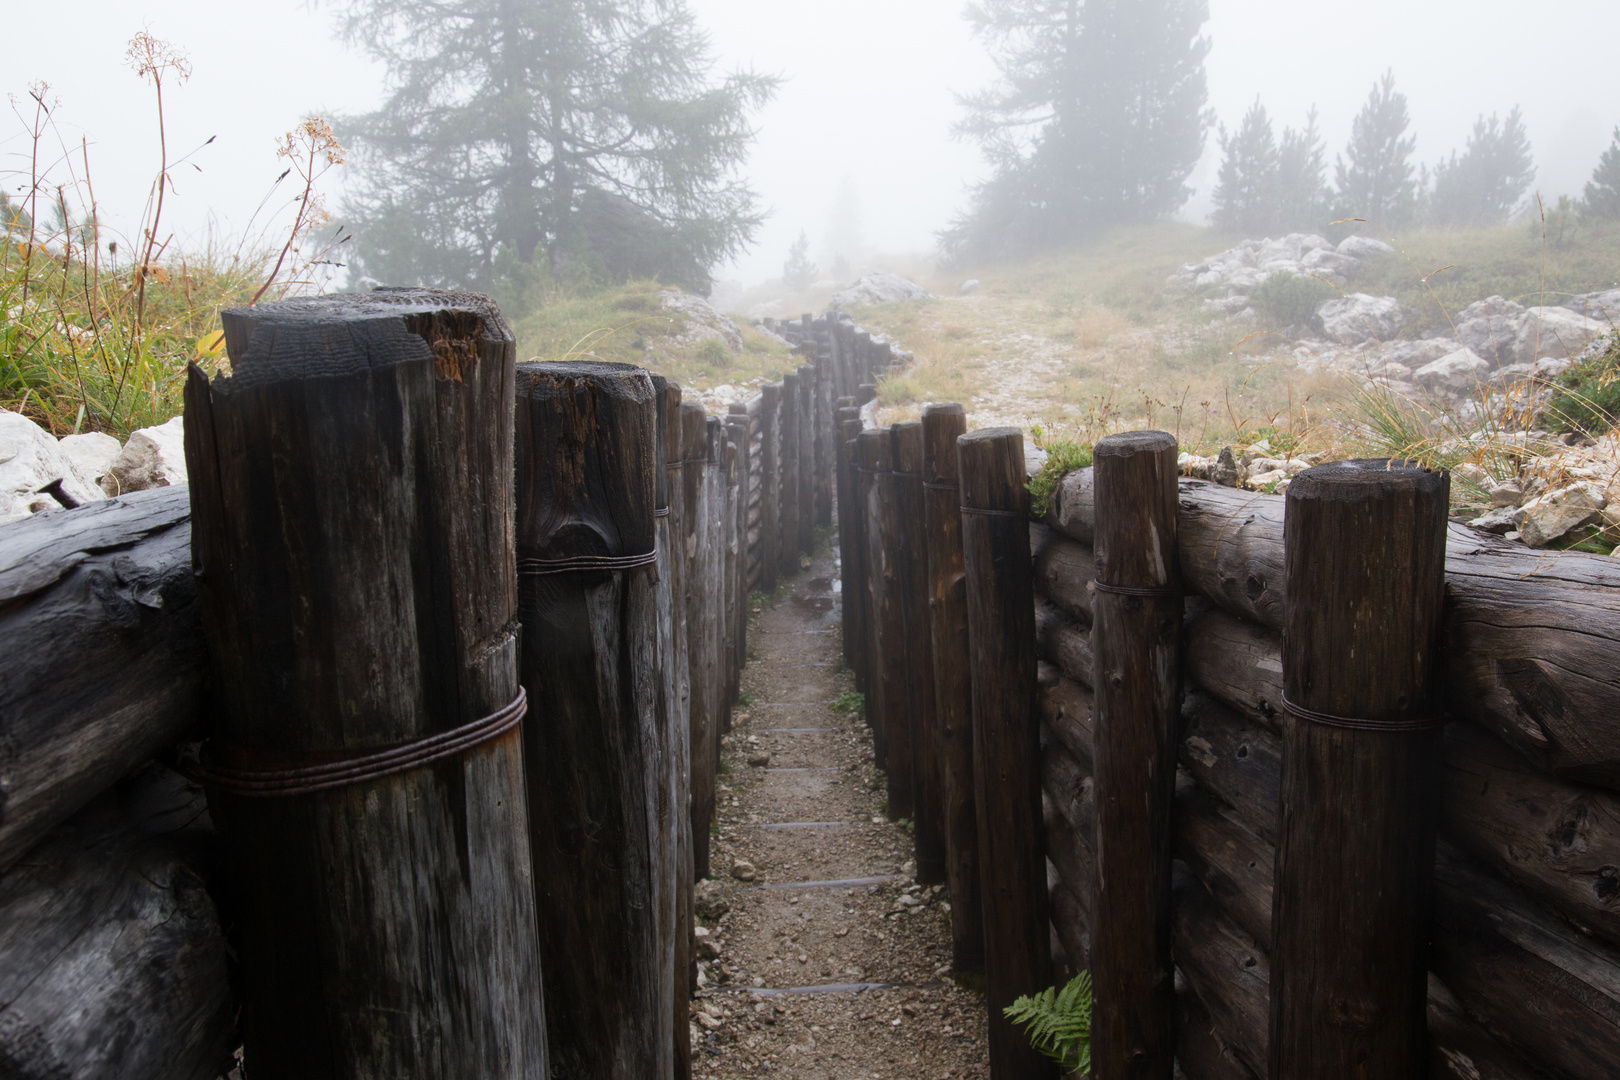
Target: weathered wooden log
pixel 852 524
pixel 806 421
pixel 1360 769
pixel 1136 641
pixel 738 430
pixel 770 492
pixel 1227 970
pixel 1238 662
pixel 826 432
pixel 677 681
pixel 1064 569
pixel 847 577
pixel 1236 758
pixel 112 960
pixel 104 660
pixel 1072 923
pixel 1232 864
pixel 1061 640
pixel 588 600
pixel 696 584
pixel 352 534
pixel 1006 735
pixel 866 392
pixel 787 553
pixel 911 522
pixel 886 573
pixel 723 487
pixel 1066 707
pixel 1200 1052
pixel 868 673
pixel 953 692
pixel 1532 645
pixel 1068 791
pixel 674 817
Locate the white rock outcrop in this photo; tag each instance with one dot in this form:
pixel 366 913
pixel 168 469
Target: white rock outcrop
pixel 1454 373
pixel 31 460
pixel 878 287
pixel 1362 247
pixel 1556 332
pixel 1552 516
pixel 91 455
pixel 1491 328
pixel 703 320
pixel 1357 317
pixel 153 457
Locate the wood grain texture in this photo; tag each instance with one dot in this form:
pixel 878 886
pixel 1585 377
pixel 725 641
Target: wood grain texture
pixel 1006 736
pixel 849 426
pixel 1350 928
pixel 352 509
pixel 770 500
pixel 911 521
pixel 1063 641
pixel 787 552
pixel 869 673
pixel 1532 638
pixel 886 572
pixel 677 679
pixel 806 421
pixel 586 435
pixel 1064 569
pixel 699 632
pixel 1136 642
pixel 105 662
pixel 1200 1052
pixel 953 691
pixel 112 960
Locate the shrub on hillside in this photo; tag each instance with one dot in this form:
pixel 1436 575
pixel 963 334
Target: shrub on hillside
pixel 1588 398
pixel 1285 299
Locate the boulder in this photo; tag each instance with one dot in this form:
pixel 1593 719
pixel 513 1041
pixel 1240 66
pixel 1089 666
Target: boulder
pixel 91 456
pixel 1554 515
pixel 878 287
pixel 1357 317
pixel 1602 306
pixel 703 321
pixel 1360 247
pixel 1456 373
pixel 969 285
pixel 1498 520
pixel 1556 332
pixel 1329 262
pixel 35 473
pixel 1491 328
pixel 153 457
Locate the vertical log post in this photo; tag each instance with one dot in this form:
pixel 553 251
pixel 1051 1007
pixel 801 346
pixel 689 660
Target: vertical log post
pixel 1136 642
pixel 953 692
pixel 678 680
pixel 788 506
pixel 887 575
pixel 871 451
pixel 738 430
pixel 770 490
pixel 826 433
pixel 866 392
pixel 588 600
pixel 701 715
pixel 1006 737
pixel 807 459
pixel 852 523
pixel 715 599
pixel 842 470
pixel 1364 555
pixel 928 837
pixel 351 495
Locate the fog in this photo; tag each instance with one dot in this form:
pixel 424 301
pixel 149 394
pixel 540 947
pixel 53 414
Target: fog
pixel 867 97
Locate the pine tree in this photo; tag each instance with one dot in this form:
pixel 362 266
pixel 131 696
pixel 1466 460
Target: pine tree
pixel 798 272
pixel 1485 184
pixel 1245 193
pixel 587 131
pixel 1602 198
pixel 1377 182
pixel 1302 191
pixel 1097 118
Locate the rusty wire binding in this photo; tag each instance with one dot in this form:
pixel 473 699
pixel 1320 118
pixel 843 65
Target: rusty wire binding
pixel 1419 723
pixel 542 567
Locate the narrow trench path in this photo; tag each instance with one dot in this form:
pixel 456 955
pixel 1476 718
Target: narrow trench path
pixel 821 958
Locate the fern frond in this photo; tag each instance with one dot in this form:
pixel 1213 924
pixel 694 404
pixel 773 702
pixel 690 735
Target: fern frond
pixel 1058 1022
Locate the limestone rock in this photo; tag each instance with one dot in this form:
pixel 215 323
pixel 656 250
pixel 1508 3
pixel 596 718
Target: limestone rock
pixel 743 870
pixel 1556 332
pixel 1498 521
pixel 1227 472
pixel 30 462
pixel 709 900
pixel 703 321
pixel 1360 247
pixel 878 287
pixel 153 457
pixel 1602 306
pixel 1357 317
pixel 969 285
pixel 1454 374
pixel 91 456
pixel 1491 328
pixel 1554 515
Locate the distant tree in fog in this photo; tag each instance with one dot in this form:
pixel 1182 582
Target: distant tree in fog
pixel 1097 118
pixel 799 272
pixel 1488 182
pixel 844 241
pixel 1602 198
pixel 1302 191
pixel 1374 176
pixel 581 136
pixel 1246 189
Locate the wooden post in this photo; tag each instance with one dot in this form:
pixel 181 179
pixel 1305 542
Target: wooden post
pixel 852 523
pixel 826 435
pixel 675 823
pixel 694 469
pixel 1006 737
pixel 714 581
pixel 871 452
pixel 738 429
pixel 865 392
pixel 677 679
pixel 807 459
pixel 351 493
pixel 886 571
pixel 1136 642
pixel 1364 549
pixel 953 691
pixel 911 522
pixel 588 599
pixel 788 535
pixel 770 492
pixel 843 469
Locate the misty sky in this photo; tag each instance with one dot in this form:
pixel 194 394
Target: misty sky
pixel 868 95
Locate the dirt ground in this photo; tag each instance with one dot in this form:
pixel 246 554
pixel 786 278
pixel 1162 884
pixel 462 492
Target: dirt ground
pixel 822 957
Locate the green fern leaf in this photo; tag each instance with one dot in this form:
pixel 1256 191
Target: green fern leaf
pixel 1058 1022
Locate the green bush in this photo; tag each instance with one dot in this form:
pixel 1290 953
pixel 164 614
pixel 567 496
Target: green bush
pixel 1062 458
pixel 1284 299
pixel 1588 398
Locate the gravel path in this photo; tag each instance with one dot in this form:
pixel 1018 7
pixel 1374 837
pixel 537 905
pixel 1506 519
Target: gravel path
pixel 822 958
